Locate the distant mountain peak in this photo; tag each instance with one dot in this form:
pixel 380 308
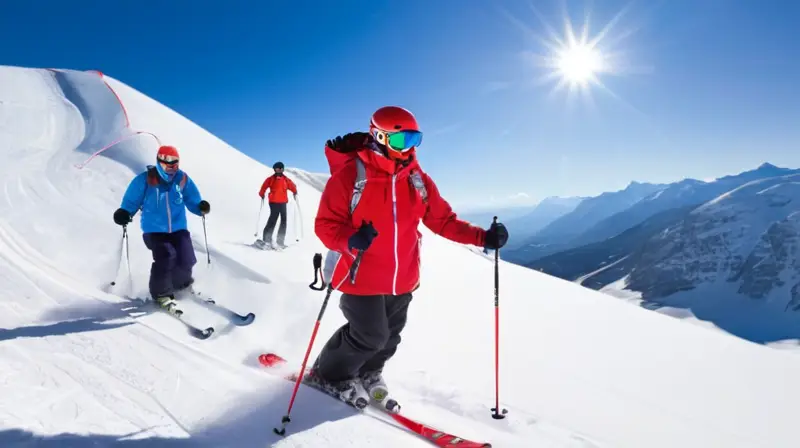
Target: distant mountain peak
pixel 767 166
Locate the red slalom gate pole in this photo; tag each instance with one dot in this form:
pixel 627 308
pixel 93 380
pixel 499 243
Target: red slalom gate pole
pixel 286 419
pixel 497 414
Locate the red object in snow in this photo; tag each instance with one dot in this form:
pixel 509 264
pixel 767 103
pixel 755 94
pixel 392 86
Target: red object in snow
pixel 270 359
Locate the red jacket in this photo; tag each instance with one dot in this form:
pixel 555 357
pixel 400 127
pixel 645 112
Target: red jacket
pixel 277 188
pixel 391 265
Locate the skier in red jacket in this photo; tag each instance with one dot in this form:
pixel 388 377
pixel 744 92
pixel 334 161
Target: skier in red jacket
pixel 397 195
pixel 277 184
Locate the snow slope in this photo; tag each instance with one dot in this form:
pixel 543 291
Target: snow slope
pixel 81 366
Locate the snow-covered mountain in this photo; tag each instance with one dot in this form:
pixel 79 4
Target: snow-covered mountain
pixel 597 264
pixel 557 235
pixel 483 216
pixel 733 261
pixel 522 228
pixel 674 196
pixel 83 366
pixel 524 221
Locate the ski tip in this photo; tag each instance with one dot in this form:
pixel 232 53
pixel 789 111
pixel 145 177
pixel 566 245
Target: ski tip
pixel 241 321
pixel 203 334
pixel 270 360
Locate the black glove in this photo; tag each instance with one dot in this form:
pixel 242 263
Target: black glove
pixel 362 239
pixel 350 142
pixel 122 217
pixel 204 207
pixel 496 236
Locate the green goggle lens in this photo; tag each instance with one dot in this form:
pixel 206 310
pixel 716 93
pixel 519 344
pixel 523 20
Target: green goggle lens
pixel 404 140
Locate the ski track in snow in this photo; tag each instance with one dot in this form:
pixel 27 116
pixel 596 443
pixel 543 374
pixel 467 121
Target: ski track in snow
pixel 81 365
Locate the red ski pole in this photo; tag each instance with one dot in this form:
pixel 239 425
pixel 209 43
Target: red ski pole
pixel 496 413
pixel 317 268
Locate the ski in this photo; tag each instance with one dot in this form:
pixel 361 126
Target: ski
pixel 236 318
pixel 269 247
pixel 433 435
pixel 195 331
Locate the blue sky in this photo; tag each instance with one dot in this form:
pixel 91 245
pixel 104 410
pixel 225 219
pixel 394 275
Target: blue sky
pixel 711 86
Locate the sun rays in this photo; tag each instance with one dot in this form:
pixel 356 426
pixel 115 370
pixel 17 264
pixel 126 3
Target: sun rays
pixel 575 61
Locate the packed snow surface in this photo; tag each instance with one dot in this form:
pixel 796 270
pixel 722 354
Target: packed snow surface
pixel 80 365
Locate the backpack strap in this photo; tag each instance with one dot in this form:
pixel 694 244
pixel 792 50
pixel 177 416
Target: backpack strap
pixel 182 183
pixel 358 187
pixel 419 184
pixel 361 181
pixel 152 176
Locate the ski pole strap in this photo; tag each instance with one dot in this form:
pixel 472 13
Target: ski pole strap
pixel 318 274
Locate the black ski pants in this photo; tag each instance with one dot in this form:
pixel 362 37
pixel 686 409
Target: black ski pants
pixel 368 339
pixel 276 209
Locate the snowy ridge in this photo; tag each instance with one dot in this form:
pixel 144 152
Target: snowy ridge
pixel 81 366
pixel 732 261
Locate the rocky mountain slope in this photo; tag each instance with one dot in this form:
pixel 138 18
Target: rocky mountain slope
pixel 676 195
pixel 745 236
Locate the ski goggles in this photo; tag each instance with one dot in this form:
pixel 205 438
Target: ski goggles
pixel 169 163
pixel 399 141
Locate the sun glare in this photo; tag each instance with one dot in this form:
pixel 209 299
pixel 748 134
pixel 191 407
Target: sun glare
pixel 576 61
pixel 579 63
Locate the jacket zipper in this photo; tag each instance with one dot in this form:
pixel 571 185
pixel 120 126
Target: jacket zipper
pixel 394 215
pixel 169 214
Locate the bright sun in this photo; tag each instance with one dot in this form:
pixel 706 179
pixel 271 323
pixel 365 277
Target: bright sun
pixel 579 63
pixel 575 61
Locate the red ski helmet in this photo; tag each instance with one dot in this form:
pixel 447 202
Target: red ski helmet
pixel 397 130
pixel 168 159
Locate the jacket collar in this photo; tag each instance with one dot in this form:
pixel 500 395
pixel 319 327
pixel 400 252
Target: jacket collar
pixel 372 156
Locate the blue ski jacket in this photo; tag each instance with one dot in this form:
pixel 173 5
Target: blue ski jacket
pixel 163 203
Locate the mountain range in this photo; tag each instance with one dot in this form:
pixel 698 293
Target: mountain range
pixel 558 234
pixel 524 222
pixel 715 248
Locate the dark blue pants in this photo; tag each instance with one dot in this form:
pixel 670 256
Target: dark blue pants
pixel 173 260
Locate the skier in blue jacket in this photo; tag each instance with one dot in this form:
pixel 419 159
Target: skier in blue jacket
pixel 164 192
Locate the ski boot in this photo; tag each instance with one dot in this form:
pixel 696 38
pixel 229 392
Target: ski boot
pixel 378 390
pixel 168 303
pixel 349 391
pixel 263 245
pixel 375 385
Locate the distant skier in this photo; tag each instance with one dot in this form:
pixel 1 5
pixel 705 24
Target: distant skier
pixel 277 184
pixel 396 196
pixel 163 193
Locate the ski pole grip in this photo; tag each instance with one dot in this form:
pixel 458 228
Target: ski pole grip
pixel 317 261
pixel 317 271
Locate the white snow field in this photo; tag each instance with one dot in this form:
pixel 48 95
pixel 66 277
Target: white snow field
pixel 81 366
